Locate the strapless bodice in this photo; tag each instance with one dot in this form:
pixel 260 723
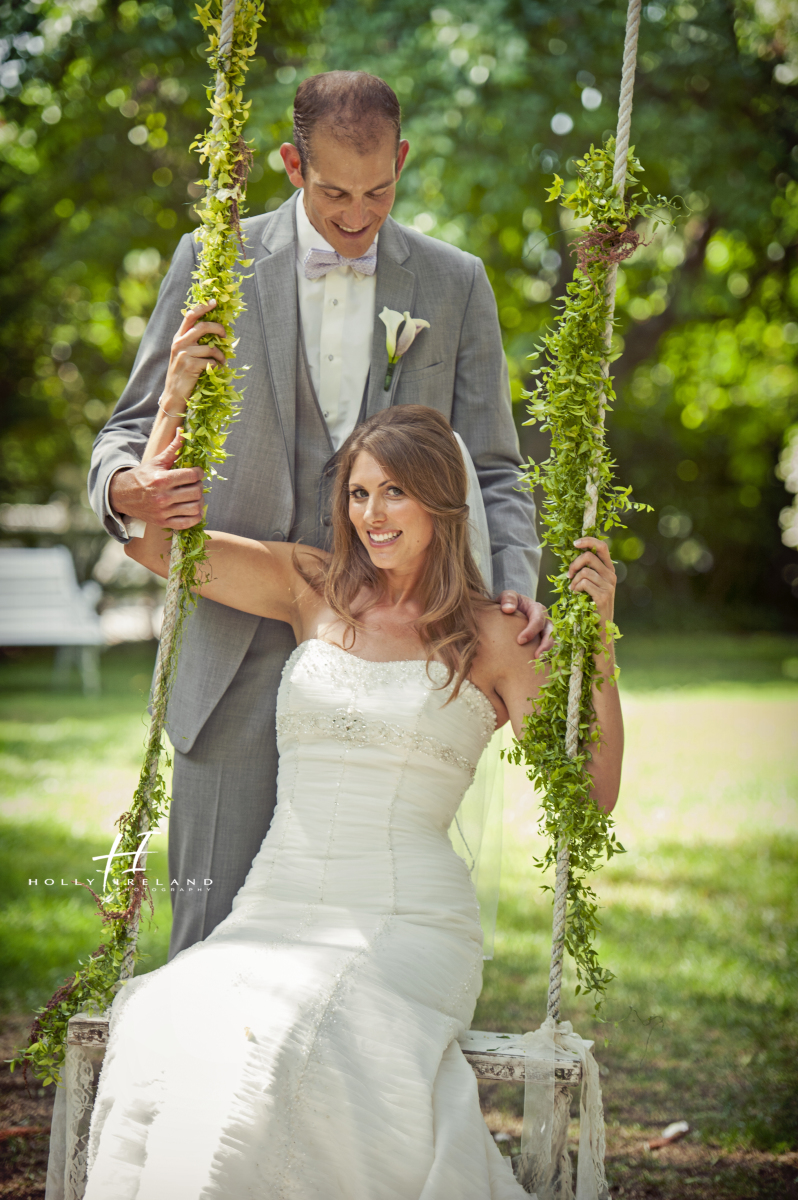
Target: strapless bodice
pixel 373 765
pixel 400 710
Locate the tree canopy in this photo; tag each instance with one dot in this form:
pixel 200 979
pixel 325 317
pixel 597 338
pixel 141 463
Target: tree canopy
pixel 101 101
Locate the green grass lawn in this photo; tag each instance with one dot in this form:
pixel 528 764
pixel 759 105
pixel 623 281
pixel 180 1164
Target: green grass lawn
pixel 68 767
pixel 699 917
pixel 699 925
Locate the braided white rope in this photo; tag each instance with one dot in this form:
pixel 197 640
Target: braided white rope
pixel 172 597
pixel 627 92
pixel 157 721
pixel 225 43
pixel 591 505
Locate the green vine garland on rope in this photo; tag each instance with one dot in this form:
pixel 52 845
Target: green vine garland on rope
pixel 212 406
pixel 572 393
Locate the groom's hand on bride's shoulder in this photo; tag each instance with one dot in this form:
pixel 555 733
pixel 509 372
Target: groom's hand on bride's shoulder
pixel 538 626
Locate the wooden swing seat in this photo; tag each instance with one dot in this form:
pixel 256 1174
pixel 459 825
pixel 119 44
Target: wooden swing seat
pixel 491 1055
pixel 497 1056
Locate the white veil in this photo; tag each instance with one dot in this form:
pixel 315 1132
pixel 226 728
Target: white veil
pixel 476 831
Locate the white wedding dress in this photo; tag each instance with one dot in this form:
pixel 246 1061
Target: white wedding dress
pixel 306 1049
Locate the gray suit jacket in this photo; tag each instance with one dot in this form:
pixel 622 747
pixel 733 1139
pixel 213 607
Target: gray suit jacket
pixel 456 366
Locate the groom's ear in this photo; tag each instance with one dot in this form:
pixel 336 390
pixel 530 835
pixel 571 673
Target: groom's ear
pixel 401 156
pixel 292 164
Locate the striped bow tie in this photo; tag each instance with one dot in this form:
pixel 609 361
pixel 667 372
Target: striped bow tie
pixel 318 262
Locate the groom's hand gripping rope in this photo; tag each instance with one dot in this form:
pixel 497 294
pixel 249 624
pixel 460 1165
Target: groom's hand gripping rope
pixel 152 492
pixel 158 495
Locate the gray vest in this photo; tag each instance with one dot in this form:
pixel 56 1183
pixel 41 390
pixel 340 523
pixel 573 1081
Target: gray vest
pixel 313 466
pixel 314 459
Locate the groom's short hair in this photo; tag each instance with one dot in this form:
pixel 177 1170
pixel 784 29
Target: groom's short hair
pixel 355 106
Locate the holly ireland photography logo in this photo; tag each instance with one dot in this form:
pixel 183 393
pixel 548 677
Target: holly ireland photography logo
pixel 137 855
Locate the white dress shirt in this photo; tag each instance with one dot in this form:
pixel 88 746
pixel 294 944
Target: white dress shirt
pixel 337 313
pixel 128 527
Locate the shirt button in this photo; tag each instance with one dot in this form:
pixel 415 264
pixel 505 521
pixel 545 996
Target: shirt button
pixel 331 357
pixel 326 413
pixel 335 301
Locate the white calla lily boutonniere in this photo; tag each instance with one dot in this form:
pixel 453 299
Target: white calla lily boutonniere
pixel 396 347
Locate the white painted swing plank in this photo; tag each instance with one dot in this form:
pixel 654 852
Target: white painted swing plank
pixel 87 1030
pixel 491 1055
pixel 501 1056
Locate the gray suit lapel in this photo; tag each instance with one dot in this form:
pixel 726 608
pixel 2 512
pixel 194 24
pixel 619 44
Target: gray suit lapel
pixel 275 281
pixel 396 288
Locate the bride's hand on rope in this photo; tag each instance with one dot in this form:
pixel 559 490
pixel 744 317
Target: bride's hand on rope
pixel 189 357
pixel 594 573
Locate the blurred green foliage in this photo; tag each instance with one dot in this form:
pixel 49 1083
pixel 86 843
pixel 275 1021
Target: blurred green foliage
pixel 100 101
pixel 96 185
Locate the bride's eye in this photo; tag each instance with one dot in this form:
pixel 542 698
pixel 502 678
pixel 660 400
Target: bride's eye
pixel 358 494
pixel 395 491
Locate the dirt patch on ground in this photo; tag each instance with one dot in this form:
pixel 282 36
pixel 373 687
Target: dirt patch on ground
pixel 692 1169
pixel 23 1159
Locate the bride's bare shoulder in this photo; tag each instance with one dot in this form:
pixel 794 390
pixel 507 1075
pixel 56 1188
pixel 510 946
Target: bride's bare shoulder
pixel 499 653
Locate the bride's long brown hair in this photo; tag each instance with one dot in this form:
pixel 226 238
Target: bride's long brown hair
pixel 416 447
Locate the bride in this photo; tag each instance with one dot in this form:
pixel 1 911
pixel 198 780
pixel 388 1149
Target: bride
pixel 307 1048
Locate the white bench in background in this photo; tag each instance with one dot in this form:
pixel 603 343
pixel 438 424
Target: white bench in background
pixel 41 604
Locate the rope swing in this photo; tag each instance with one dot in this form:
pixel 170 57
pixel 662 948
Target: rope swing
pixel 571 399
pixel 214 400
pixel 232 26
pixel 575 683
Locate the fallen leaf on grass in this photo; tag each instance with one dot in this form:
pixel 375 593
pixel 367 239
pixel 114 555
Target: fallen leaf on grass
pixel 673 1133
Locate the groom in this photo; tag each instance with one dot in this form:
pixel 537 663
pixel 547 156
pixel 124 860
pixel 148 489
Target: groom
pixel 325 265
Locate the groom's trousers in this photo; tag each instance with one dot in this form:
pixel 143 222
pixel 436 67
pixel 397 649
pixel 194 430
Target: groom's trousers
pixel 224 787
pixel 224 791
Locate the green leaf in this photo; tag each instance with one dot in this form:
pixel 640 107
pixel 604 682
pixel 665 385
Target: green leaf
pixel 555 189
